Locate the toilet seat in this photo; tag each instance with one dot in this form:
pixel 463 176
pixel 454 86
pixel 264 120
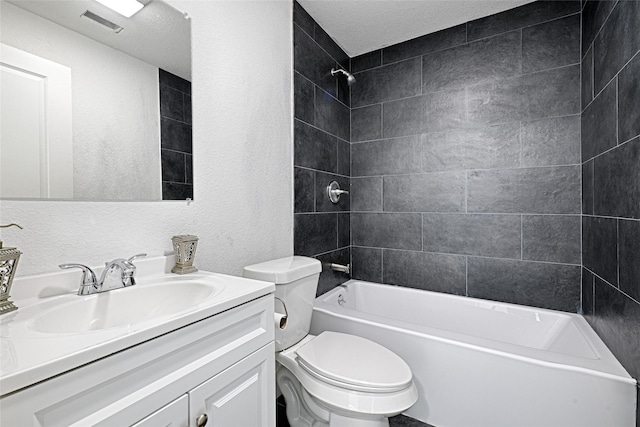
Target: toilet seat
pixel 354 363
pixel 341 397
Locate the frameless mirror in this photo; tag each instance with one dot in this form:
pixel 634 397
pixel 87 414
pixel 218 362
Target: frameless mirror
pixel 94 105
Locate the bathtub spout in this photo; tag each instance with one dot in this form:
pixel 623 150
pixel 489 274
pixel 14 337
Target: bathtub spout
pixel 341 268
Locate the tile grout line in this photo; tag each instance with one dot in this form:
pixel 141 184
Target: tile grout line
pixel 522 237
pixel 611 80
pixel 618 252
pixel 467 41
pixel 610 284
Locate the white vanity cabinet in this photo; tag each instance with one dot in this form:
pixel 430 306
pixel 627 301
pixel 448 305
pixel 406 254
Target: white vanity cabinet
pixel 222 366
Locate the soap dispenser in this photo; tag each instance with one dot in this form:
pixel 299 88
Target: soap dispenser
pixel 8 264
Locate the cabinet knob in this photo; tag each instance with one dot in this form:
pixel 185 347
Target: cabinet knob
pixel 201 421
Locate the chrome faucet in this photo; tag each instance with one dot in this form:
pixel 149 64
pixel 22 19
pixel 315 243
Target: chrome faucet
pixel 118 273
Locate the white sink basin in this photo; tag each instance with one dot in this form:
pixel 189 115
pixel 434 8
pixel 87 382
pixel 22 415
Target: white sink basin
pixel 54 330
pixel 123 307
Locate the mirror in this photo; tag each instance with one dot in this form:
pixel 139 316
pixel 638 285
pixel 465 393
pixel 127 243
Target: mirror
pixel 94 106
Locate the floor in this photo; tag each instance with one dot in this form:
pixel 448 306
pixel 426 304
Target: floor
pixel 397 421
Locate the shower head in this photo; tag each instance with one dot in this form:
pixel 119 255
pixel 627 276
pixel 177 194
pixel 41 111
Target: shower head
pixel 350 79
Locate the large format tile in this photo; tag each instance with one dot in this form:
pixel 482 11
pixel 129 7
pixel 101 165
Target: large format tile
pixel 366 194
pixel 554 238
pixel 366 264
pixel 175 135
pixel 593 16
pixel 535 190
pixel 496 102
pixel 310 60
pixel 629 250
pixel 587 188
pixel 329 278
pixel 314 148
pixel 176 191
pixel 628 99
pixel 387 230
pixel 173 166
pixel 523 16
pixel 344 91
pixel 171 103
pixel 395 81
pixel 433 112
pixel 403 117
pixel 303 19
pixel 344 157
pixel 366 61
pixel 432 272
pixel 314 233
pixel 303 190
pixel 428 43
pixel 533 96
pixel 617 181
pixel 441 111
pixel 599 127
pixel 617 322
pixel 366 123
pixel 617 42
pixel 188 159
pixel 303 95
pixel 600 247
pixel 588 283
pixel 443 151
pixel 586 79
pixel 551 44
pixel 432 192
pixel 344 229
pixel 387 156
pixel 166 78
pixel 331 47
pixel 472 63
pixel 331 115
pixel 551 142
pixel 553 286
pixel 492 147
pixel 551 93
pixel 468 234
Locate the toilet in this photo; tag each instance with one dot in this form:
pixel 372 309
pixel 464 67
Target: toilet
pixel 332 379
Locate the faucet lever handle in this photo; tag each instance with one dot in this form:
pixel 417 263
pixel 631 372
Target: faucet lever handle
pixel 136 256
pixel 88 277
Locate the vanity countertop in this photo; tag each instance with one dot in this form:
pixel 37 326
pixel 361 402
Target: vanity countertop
pixel 34 346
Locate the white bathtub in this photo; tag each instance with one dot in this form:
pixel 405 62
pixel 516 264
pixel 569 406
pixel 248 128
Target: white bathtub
pixel 484 363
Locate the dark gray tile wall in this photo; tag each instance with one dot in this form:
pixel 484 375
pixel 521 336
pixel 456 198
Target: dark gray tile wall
pixel 497 159
pixel 322 151
pixel 466 159
pixel 611 176
pixel 175 137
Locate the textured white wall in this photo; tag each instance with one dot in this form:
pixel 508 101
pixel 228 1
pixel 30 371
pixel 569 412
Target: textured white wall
pixel 243 164
pixel 116 110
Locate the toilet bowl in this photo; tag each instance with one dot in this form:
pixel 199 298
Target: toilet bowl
pixel 332 379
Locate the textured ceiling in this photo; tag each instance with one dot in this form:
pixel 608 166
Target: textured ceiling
pixel 361 26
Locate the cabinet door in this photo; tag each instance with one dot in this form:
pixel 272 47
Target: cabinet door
pixel 175 414
pixel 242 395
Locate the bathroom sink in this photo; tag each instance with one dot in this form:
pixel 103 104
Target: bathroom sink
pixel 122 308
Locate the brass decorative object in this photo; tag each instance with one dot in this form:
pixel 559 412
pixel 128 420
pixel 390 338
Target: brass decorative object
pixel 8 265
pixel 185 248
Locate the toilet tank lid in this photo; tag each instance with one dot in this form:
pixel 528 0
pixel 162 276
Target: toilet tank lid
pixel 283 270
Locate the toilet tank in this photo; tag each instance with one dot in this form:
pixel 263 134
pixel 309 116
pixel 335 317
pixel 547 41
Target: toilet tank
pixel 296 280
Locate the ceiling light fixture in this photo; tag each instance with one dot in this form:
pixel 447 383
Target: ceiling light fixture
pixel 126 8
